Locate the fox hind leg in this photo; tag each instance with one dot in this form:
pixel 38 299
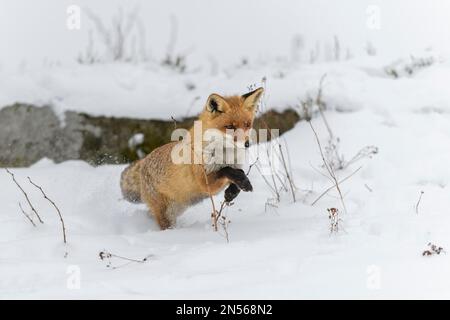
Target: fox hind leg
pixel 159 205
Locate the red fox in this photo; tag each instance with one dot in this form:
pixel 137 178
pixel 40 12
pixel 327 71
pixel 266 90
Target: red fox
pixel 168 188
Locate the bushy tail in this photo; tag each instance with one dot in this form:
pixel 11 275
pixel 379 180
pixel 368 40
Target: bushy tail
pixel 130 182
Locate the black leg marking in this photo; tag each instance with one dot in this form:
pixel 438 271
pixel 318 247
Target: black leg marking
pixel 231 192
pixel 237 176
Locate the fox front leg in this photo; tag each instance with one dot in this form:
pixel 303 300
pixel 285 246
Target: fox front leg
pixel 237 177
pixel 231 192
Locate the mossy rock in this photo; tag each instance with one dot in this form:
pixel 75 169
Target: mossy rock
pixel 29 133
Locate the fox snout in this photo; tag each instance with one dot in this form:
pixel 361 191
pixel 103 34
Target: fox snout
pixel 246 142
pixel 242 137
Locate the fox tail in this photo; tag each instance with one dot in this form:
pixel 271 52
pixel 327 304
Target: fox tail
pixel 130 182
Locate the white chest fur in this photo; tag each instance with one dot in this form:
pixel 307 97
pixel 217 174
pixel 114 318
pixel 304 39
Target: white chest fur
pixel 222 151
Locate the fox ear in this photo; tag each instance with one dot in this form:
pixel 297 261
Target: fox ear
pixel 215 103
pixel 251 99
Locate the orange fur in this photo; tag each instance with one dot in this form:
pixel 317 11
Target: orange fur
pixel 168 188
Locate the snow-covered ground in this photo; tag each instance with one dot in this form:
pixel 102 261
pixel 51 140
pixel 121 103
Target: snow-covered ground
pixel 284 252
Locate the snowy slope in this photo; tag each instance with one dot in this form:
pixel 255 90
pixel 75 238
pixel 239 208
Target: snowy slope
pixel 150 91
pixel 284 252
pixel 39 63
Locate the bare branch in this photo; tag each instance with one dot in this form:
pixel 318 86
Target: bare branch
pixel 174 121
pixel 329 168
pixel 55 206
pixel 214 211
pixel 26 215
pixel 25 194
pixel 267 181
pixel 250 167
pixel 283 184
pixel 287 172
pixel 365 152
pixel 321 173
pixel 217 214
pixel 106 255
pixel 222 219
pixel 119 39
pixel 280 156
pixel 418 202
pixel 331 187
pixel 288 157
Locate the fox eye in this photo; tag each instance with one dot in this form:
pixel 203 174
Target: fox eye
pixel 230 126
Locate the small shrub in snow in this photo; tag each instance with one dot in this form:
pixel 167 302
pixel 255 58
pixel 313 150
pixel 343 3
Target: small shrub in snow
pixel 108 257
pixel 334 158
pixel 177 63
pixel 27 198
pixel 277 157
pixel 407 68
pixel 333 216
pixel 218 215
pixel 219 218
pixel 418 202
pixel 432 250
pixel 123 40
pixel 330 172
pixel 306 108
pixel 174 60
pixel 63 227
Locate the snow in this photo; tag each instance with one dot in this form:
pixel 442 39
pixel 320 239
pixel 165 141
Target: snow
pixel 285 251
pixel 150 91
pixel 39 66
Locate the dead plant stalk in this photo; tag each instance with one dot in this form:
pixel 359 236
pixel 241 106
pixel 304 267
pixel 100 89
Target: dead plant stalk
pixel 26 195
pixel 54 205
pixel 330 170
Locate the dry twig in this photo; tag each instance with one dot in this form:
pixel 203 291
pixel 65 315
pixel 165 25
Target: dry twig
pixel 433 250
pixel 331 187
pixel 280 154
pixel 25 194
pixel 174 121
pixel 250 166
pixel 291 184
pixel 418 202
pixel 336 160
pixel 214 211
pixel 281 157
pixel 333 215
pixel 26 215
pixel 106 255
pixel 330 170
pixel 55 206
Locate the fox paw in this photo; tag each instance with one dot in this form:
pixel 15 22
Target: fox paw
pixel 245 185
pixel 231 192
pixel 238 177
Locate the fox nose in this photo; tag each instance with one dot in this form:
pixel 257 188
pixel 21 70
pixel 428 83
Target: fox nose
pixel 247 144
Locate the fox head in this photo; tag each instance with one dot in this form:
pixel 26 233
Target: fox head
pixel 232 115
